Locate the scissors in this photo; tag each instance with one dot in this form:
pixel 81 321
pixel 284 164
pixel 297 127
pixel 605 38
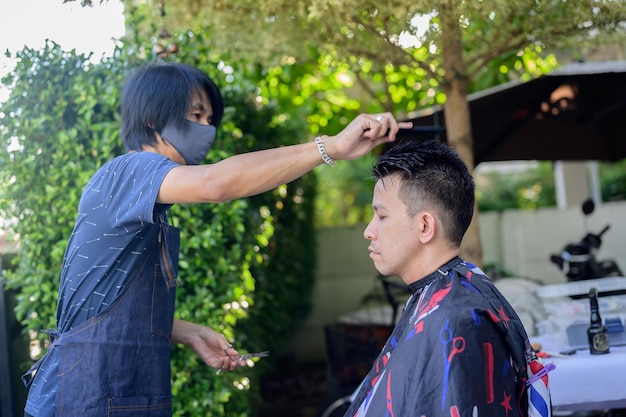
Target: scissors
pixel 254 355
pixel 458 343
pixel 248 356
pixel 449 352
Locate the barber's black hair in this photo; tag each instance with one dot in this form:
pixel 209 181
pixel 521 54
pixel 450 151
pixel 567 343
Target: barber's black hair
pixel 158 94
pixel 432 173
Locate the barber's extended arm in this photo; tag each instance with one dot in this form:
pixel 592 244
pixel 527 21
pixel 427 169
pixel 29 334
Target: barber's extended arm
pixel 256 172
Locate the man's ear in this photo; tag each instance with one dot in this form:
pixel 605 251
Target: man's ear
pixel 426 224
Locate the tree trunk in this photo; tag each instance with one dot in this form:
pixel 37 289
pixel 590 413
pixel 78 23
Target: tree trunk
pixel 456 109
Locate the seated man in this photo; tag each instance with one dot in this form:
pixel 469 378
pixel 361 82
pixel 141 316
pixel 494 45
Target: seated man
pixel 458 349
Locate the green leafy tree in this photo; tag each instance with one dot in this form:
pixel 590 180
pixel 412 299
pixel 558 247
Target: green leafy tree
pixel 451 47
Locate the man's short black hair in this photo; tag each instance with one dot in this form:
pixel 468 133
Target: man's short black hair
pixel 434 176
pixel 158 94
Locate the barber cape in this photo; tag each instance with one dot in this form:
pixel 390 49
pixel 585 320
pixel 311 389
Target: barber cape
pixel 459 349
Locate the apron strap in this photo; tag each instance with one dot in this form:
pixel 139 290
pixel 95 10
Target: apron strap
pixel 167 265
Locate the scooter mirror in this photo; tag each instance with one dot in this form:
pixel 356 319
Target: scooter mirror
pixel 588 207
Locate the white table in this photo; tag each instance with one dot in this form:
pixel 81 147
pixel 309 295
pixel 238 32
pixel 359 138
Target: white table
pixel 587 382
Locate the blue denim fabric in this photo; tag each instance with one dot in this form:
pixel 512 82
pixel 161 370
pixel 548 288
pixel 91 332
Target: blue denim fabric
pixel 118 362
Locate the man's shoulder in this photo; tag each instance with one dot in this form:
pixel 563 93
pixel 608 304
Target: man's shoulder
pixel 462 293
pixel 139 158
pixel 136 164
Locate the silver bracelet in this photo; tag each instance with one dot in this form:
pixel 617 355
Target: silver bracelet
pixel 322 149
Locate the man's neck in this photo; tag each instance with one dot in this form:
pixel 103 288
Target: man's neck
pixel 429 262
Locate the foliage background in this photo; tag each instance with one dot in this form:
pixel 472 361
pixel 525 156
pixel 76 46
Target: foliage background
pixel 534 187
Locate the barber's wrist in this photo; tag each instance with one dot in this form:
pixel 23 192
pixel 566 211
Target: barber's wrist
pixel 321 142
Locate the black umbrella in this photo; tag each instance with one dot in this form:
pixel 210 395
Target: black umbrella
pixel 575 113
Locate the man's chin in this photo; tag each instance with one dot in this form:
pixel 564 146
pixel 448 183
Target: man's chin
pixel 381 269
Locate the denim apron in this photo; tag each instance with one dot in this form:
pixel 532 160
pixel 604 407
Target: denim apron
pixel 118 362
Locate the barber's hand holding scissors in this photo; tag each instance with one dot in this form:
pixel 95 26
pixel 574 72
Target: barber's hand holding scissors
pixel 211 346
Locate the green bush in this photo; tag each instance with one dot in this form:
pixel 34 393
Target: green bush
pixel 58 125
pixel 246 267
pixel 527 190
pixel 613 180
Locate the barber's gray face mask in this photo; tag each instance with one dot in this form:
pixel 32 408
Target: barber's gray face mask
pixel 192 144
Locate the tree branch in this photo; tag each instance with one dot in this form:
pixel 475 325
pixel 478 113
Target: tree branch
pixel 403 52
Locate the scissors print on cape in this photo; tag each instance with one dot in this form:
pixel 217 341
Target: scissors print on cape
pixel 451 346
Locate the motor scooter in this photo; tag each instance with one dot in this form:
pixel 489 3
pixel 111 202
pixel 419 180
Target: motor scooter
pixel 578 260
